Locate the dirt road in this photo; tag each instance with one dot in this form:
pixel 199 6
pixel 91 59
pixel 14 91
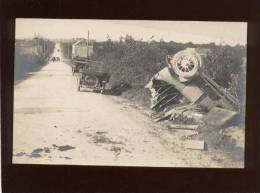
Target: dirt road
pixel 56 124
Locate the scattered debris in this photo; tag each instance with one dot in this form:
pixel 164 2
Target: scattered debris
pixel 46 150
pixel 185 127
pixel 236 134
pixel 194 144
pixel 20 154
pixel 40 152
pixel 101 132
pixel 104 139
pixel 88 134
pixel 36 151
pixel 63 147
pixel 219 117
pixel 189 134
pixel 101 138
pixel 117 150
pixel 185 114
pixel 35 155
pixel 185 96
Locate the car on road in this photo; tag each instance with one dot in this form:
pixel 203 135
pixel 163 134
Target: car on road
pixel 93 76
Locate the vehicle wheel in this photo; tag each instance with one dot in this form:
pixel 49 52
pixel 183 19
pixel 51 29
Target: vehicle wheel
pixel 91 81
pixel 185 63
pixel 103 88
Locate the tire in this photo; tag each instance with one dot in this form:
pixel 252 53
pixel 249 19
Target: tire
pixel 73 71
pixel 103 88
pixel 91 80
pixel 185 63
pixel 79 84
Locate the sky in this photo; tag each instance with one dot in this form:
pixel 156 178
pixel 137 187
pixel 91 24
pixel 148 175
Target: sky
pixel 230 33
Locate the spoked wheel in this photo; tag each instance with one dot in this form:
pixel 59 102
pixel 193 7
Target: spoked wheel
pixel 185 63
pixel 79 84
pixel 91 80
pixel 103 88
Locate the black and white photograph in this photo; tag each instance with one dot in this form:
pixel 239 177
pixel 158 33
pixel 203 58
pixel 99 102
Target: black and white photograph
pixel 141 93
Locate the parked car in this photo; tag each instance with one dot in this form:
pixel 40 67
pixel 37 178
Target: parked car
pixel 93 75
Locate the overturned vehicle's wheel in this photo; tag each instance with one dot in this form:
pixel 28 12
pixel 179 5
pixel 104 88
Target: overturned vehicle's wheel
pixel 185 63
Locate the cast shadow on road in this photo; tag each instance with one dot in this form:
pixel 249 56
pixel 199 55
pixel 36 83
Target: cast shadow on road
pixel 118 89
pixel 26 73
pixel 115 90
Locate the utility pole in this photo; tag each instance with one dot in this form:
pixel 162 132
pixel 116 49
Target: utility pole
pixel 68 51
pixel 44 48
pixel 47 46
pixel 88 44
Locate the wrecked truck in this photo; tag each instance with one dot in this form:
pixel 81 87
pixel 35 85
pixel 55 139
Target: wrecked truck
pixel 184 93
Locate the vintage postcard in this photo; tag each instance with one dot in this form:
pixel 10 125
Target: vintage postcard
pixel 130 93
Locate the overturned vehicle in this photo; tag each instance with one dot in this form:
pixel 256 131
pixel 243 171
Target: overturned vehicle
pixel 184 94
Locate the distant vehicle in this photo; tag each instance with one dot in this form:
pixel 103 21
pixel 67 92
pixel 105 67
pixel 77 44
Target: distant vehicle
pixel 81 50
pixel 91 74
pixel 53 59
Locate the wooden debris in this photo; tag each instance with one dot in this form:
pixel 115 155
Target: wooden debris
pixel 189 134
pixel 218 117
pixel 184 127
pixel 195 144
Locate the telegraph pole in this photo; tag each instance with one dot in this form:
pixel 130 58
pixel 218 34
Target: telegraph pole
pixel 44 49
pixel 87 44
pixel 68 51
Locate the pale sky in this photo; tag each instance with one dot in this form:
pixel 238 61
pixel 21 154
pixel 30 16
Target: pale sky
pixel 231 33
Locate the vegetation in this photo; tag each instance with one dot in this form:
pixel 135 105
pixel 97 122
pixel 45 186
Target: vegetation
pixel 30 55
pixel 135 62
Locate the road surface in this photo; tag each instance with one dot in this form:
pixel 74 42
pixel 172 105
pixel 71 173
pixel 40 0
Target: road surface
pixel 56 124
